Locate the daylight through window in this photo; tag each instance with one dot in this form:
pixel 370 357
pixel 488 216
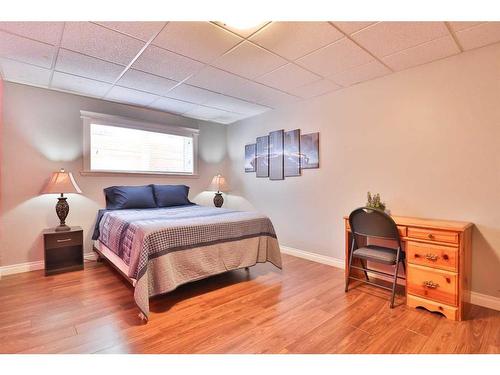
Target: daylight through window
pixel 123 149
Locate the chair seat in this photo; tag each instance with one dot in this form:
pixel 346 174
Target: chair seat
pixel 376 253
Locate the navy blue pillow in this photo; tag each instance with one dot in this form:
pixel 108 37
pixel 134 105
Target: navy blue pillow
pixel 171 195
pixel 121 197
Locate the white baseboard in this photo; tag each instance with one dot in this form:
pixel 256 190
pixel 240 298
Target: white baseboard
pixel 479 299
pixel 331 261
pixel 21 267
pixel 33 266
pixel 90 256
pixel 485 300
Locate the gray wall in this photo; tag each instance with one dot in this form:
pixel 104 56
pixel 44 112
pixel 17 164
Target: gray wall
pixel 42 132
pixel 427 139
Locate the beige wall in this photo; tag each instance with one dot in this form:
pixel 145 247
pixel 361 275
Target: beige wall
pixel 427 139
pixel 43 132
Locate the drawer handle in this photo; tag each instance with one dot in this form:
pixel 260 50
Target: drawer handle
pixel 430 284
pixel 430 235
pixel 432 257
pixel 64 240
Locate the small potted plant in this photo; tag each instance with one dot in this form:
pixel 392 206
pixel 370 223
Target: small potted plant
pixel 375 202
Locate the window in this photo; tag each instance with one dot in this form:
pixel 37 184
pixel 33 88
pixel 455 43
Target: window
pixel 114 144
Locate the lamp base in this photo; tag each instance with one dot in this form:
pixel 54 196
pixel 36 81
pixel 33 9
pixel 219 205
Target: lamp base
pixel 218 200
pixel 62 210
pixel 62 228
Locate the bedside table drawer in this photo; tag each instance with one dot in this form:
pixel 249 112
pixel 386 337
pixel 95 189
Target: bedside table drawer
pixel 63 239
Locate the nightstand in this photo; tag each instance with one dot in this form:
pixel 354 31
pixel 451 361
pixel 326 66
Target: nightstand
pixel 63 251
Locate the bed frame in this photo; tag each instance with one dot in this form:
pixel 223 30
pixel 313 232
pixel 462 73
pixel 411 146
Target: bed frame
pixel 101 257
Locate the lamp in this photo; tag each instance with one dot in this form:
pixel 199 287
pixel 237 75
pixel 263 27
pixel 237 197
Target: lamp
pixel 219 183
pixel 61 182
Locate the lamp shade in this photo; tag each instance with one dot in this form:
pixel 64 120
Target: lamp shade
pixel 219 183
pixel 61 182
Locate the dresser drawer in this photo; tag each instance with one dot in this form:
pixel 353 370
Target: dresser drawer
pixel 63 239
pixel 433 284
pixel 436 256
pixel 433 235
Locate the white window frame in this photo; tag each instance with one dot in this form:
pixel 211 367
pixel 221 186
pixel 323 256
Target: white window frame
pixel 89 118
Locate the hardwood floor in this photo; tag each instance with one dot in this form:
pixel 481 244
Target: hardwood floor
pixel 301 310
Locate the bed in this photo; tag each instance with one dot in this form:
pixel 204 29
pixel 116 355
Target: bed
pixel 158 249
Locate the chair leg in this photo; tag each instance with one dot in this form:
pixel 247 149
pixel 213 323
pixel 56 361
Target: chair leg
pixel 348 272
pixel 365 265
pixel 395 280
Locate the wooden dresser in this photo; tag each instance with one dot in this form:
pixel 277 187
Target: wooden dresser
pixel 438 263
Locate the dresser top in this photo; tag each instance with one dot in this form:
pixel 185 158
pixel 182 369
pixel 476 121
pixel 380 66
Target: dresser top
pixel 430 223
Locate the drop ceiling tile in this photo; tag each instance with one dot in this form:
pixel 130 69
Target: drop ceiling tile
pixel 86 66
pixel 360 73
pixel 212 99
pixel 334 58
pixel 350 27
pixel 125 95
pixel 461 25
pixel 191 94
pixel 226 83
pixel 267 96
pixel 47 32
pixel 217 80
pixel 135 79
pixel 249 60
pixel 166 64
pixel 235 105
pixel 386 38
pixel 288 77
pixel 228 118
pixel 479 35
pixel 423 53
pixel 100 42
pixel 201 41
pixel 172 105
pixel 212 114
pixel 316 88
pixel 26 50
pixel 139 30
pixel 295 39
pixel 243 31
pixel 16 71
pixel 79 85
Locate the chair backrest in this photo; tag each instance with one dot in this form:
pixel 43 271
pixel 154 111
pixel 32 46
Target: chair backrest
pixel 370 222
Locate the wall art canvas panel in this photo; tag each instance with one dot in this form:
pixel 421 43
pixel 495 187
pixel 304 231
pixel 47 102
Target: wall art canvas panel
pixel 250 158
pixel 262 165
pixel 309 151
pixel 276 155
pixel 292 153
